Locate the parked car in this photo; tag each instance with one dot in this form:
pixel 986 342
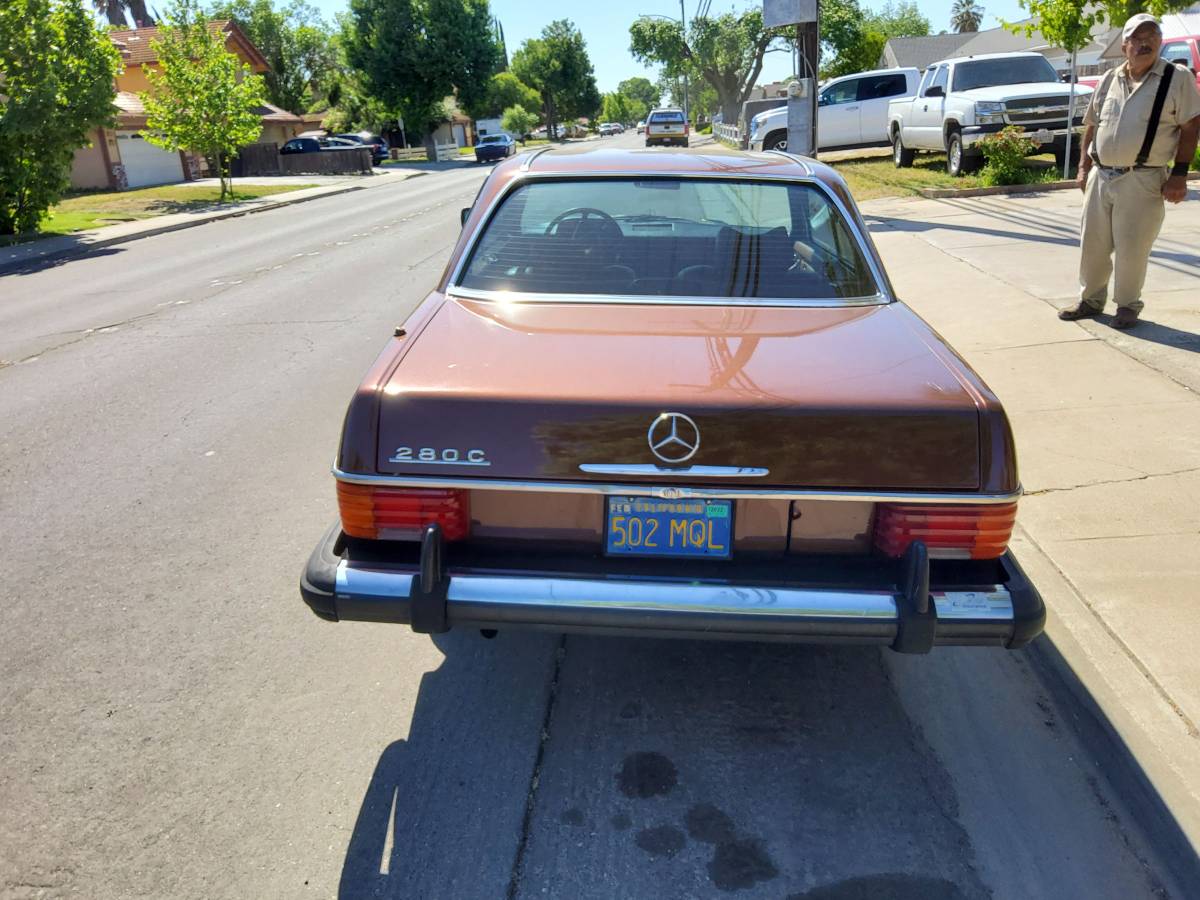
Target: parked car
pixel 666 126
pixel 641 126
pixel 379 147
pixel 316 145
pixel 494 146
pixel 961 101
pixel 852 111
pixel 608 129
pixel 674 395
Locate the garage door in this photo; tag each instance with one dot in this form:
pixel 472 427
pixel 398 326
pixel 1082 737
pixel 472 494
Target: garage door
pixel 146 164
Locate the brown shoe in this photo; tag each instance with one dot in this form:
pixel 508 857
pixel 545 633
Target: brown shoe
pixel 1125 318
pixel 1081 310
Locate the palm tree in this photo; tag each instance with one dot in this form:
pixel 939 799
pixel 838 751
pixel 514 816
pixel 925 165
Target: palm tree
pixel 114 11
pixel 965 15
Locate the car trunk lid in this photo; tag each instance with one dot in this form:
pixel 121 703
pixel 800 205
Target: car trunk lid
pixel 851 397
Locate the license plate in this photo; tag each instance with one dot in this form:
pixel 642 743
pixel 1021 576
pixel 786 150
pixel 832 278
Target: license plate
pixel 646 526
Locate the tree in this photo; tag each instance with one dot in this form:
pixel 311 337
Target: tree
pixel 114 11
pixel 295 41
pixel 641 90
pixel 557 66
pixel 414 53
pixel 856 38
pixel 506 90
pixel 702 99
pixel 56 84
pixel 726 51
pixel 518 120
pixel 202 97
pixel 965 15
pixel 615 108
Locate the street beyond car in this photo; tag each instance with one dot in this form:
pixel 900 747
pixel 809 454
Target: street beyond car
pixel 674 395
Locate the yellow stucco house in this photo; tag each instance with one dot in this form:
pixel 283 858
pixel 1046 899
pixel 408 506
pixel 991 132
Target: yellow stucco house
pixel 120 158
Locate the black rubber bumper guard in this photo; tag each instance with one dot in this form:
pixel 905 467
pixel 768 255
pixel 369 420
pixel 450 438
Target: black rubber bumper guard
pixel 916 614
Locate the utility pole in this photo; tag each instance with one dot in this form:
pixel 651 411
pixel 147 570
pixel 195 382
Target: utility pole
pixel 804 16
pixel 683 21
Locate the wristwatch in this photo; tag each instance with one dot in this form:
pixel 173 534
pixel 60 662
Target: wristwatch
pixel 1180 168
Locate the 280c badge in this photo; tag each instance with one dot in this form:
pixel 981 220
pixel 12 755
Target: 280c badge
pixel 440 456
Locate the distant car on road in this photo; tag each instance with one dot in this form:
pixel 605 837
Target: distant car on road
pixel 379 147
pixel 641 126
pixel 666 126
pixel 493 147
pixel 607 129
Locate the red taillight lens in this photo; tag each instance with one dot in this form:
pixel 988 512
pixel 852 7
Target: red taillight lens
pixel 400 513
pixel 949 532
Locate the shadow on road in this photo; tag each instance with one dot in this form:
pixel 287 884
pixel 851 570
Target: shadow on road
pixel 66 248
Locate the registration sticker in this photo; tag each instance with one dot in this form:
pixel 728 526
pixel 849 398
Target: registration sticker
pixel 648 526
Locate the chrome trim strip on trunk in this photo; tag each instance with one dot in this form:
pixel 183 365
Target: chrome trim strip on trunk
pixel 685 472
pixel 462 293
pixel 674 492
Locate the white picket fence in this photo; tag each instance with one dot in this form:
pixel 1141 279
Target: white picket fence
pixel 730 134
pixel 446 152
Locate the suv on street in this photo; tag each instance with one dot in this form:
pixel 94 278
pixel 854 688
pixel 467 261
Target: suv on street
pixel 666 126
pixel 961 101
pixel 852 111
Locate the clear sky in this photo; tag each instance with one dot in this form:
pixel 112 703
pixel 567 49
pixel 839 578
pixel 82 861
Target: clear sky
pixel 605 27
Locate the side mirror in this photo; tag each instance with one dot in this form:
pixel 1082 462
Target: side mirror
pixel 936 91
pixel 464 214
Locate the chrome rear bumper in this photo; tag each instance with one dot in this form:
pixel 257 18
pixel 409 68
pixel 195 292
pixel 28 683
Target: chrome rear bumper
pixel 1007 615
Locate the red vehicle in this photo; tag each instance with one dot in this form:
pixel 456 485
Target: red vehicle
pixel 674 394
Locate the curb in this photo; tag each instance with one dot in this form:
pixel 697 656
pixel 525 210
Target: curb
pixel 152 231
pixel 939 193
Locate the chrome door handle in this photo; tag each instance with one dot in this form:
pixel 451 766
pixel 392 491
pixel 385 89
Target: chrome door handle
pixel 925 108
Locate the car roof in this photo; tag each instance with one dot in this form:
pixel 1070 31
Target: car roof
pixel 1022 54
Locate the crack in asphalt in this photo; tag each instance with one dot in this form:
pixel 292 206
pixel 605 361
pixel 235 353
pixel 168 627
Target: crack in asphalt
pixel 518 866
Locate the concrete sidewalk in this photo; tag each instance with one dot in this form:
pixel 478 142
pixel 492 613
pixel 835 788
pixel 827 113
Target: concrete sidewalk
pixel 1108 434
pixel 50 248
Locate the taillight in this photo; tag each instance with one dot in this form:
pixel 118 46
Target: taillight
pixel 687 128
pixel 949 532
pixel 396 513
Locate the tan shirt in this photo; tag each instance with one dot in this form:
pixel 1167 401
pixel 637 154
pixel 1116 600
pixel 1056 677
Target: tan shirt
pixel 1120 110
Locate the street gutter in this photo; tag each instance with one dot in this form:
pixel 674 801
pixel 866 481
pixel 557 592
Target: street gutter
pixel 80 244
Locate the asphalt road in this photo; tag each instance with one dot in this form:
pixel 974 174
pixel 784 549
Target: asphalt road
pixel 177 724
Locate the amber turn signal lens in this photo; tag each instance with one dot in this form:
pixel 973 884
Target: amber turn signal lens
pixel 391 513
pixel 949 532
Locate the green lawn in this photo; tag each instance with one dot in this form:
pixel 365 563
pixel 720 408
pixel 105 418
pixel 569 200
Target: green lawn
pixel 878 177
pixel 95 209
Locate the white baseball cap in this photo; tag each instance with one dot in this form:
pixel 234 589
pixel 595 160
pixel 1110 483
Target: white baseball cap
pixel 1136 22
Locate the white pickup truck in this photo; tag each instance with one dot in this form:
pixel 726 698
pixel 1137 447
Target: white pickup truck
pixel 852 111
pixel 960 101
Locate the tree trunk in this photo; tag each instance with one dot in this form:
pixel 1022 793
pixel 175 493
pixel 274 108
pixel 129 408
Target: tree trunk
pixel 141 15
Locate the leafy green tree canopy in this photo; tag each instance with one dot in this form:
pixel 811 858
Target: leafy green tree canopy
pixel 726 51
pixel 518 120
pixel 965 15
pixel 643 90
pixel 56 84
pixel 557 66
pixel 854 38
pixel 296 42
pixel 506 90
pixel 616 108
pixel 1068 23
pixel 414 53
pixel 202 97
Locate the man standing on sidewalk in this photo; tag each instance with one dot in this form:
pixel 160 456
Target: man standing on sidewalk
pixel 1142 126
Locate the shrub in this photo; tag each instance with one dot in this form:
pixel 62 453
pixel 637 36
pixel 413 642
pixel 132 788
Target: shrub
pixel 1196 161
pixel 1005 152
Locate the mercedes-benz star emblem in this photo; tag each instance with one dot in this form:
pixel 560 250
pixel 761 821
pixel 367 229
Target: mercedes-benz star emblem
pixel 673 437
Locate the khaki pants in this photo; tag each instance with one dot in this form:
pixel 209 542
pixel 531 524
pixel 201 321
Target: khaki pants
pixel 1122 216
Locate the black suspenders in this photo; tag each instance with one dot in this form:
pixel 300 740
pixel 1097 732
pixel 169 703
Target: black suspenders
pixel 1160 98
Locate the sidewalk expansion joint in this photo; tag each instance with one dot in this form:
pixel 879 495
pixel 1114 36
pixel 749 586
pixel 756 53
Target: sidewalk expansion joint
pixel 1192 730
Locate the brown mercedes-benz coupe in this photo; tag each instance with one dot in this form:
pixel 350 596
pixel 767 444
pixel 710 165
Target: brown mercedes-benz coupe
pixel 674 394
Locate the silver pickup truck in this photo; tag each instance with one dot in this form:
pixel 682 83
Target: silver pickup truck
pixel 960 101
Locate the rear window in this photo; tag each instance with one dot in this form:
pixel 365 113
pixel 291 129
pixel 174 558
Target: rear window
pixel 668 117
pixel 492 139
pixel 670 237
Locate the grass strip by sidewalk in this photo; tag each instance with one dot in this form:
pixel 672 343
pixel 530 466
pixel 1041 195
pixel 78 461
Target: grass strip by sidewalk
pixel 95 209
pixel 874 177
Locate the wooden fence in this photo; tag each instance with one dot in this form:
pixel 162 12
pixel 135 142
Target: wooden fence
pixel 446 152
pixel 265 159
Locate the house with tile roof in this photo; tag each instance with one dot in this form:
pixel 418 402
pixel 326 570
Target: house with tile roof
pixel 119 158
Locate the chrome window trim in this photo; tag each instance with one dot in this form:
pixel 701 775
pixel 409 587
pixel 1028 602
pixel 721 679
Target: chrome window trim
pixel 525 176
pixel 674 492
pixel 659 300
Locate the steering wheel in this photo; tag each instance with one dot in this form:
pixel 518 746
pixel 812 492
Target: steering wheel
pixel 605 222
